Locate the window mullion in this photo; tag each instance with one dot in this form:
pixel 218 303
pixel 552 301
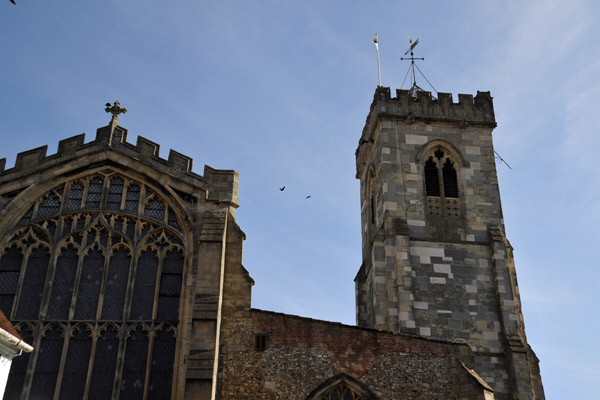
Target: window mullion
pixel 76 284
pixel 161 258
pixel 441 183
pixel 109 255
pixel 151 337
pixel 63 357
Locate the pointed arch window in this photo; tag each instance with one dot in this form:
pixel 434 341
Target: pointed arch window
pixel 441 183
pixel 341 387
pixel 94 279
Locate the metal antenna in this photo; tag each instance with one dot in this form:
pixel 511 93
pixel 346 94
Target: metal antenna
pixel 376 42
pixel 411 69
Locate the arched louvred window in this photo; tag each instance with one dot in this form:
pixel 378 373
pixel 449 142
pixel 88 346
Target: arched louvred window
pixel 105 362
pixel 132 198
pixel 63 284
pixel 450 179
pixel 163 357
pixel 75 196
pixel 48 362
pixel 170 286
pixel 144 286
pixel 94 193
pixel 441 183
pixel 115 193
pixel 49 206
pixel 134 367
pixel 34 280
pixel 116 284
pixel 77 363
pixel 18 368
pixel 89 285
pixel 10 267
pixel 432 180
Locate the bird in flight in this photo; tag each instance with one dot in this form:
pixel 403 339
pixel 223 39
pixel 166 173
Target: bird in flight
pixel 308 197
pixel 282 188
pixel 13 1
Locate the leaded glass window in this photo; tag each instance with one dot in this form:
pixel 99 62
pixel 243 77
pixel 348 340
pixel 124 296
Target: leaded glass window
pixel 162 365
pixel 116 284
pixel 64 281
pixel 134 369
pixel 10 266
pixel 77 363
pixel 115 193
pixel 33 283
pixel 48 361
pixel 105 363
pixel 93 281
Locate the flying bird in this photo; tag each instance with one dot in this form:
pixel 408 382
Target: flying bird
pixel 282 188
pixel 13 1
pixel 308 197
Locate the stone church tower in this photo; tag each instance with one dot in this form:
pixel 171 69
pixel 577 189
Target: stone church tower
pixel 436 261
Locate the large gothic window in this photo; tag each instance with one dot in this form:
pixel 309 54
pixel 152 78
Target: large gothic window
pixel 92 277
pixel 441 183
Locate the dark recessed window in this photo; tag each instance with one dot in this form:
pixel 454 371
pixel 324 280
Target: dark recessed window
pixel 261 342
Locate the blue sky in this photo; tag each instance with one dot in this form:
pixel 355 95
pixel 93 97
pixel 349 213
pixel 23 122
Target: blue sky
pixel 279 91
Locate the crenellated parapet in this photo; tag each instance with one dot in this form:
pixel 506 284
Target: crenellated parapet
pixel 477 111
pixel 405 109
pixel 219 185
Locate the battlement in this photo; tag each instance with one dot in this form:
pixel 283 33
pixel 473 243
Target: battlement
pixel 469 110
pixel 220 185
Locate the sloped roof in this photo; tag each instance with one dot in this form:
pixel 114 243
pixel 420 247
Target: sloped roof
pixel 7 326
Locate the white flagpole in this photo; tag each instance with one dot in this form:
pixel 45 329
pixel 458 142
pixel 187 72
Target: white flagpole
pixel 376 41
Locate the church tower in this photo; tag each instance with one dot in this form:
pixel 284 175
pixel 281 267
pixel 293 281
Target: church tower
pixel 436 261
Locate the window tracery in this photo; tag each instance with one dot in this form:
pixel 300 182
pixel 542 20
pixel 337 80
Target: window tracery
pixel 107 255
pixel 441 183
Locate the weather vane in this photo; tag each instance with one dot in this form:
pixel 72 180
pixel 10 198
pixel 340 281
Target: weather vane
pixel 115 110
pixel 412 67
pixel 376 42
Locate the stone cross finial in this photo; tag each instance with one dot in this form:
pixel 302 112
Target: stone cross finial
pixel 115 110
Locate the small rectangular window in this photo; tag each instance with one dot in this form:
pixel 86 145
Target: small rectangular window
pixel 261 342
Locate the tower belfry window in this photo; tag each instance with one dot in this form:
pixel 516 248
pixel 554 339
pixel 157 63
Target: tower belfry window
pixel 441 184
